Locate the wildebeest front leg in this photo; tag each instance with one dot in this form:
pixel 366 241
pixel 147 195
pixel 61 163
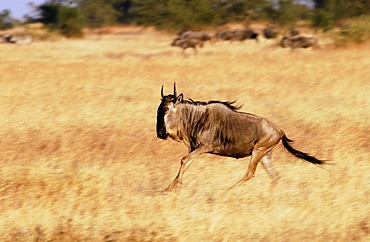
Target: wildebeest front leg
pixel 185 163
pixel 195 50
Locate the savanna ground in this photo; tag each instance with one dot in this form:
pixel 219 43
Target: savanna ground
pixel 80 160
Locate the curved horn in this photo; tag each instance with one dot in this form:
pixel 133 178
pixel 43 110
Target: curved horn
pixel 174 89
pixel 162 92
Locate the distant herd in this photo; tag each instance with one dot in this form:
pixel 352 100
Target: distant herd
pixel 194 39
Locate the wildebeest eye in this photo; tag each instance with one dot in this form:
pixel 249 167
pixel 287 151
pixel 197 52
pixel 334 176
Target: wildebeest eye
pixel 165 109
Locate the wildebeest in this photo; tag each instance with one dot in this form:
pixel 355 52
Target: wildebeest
pixel 187 43
pixel 5 38
pixel 298 41
pixel 21 39
pixel 270 33
pixel 199 35
pixel 293 32
pixel 218 128
pixel 245 34
pixel 224 35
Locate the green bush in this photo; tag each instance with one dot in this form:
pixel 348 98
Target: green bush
pixel 5 20
pixel 57 17
pixel 99 13
pixel 357 31
pixel 176 15
pixel 322 19
pixel 48 15
pixel 70 22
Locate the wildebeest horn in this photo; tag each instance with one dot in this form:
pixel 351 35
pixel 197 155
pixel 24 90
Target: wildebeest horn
pixel 174 89
pixel 162 92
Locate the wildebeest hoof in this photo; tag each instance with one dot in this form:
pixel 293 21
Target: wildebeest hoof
pixel 164 192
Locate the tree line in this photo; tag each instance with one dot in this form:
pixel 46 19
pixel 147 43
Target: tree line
pixel 69 17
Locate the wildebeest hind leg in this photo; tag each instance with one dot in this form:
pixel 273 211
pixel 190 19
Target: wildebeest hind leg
pixel 185 163
pixel 257 154
pixel 267 165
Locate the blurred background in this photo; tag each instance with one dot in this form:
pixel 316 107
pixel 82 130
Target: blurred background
pixel 70 17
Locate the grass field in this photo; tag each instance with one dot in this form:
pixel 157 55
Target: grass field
pixel 80 160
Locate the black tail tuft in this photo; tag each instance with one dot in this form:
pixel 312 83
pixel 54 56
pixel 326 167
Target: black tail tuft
pixel 298 153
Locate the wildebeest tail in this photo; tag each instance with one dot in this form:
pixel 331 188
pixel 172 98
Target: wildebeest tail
pixel 298 153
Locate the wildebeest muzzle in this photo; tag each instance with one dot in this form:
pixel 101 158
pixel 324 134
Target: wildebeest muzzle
pixel 161 133
pixel 161 129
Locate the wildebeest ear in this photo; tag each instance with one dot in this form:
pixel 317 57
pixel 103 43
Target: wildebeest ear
pixel 179 98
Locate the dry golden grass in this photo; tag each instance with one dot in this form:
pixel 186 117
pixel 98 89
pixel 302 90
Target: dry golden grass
pixel 80 160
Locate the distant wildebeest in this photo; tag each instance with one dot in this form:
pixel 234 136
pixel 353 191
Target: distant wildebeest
pixel 5 38
pixel 21 39
pixel 298 41
pixel 187 43
pixel 245 34
pixel 199 35
pixel 293 32
pixel 218 128
pixel 225 35
pixel 270 33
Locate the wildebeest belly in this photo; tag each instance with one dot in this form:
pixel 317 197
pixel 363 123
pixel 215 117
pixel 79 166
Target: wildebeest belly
pixel 238 151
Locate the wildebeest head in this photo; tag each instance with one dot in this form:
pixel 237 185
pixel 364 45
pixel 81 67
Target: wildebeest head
pixel 284 42
pixel 176 42
pixel 167 118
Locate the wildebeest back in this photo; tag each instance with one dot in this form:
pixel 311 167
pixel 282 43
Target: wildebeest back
pixel 229 132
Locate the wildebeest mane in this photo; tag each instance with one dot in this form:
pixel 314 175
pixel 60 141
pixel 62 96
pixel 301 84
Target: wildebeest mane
pixel 229 104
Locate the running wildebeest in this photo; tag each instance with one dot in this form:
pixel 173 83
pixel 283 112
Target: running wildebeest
pixel 245 34
pixel 293 32
pixel 224 35
pixel 17 39
pixel 187 43
pixel 270 33
pixel 298 41
pixel 199 35
pixel 5 38
pixel 218 128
